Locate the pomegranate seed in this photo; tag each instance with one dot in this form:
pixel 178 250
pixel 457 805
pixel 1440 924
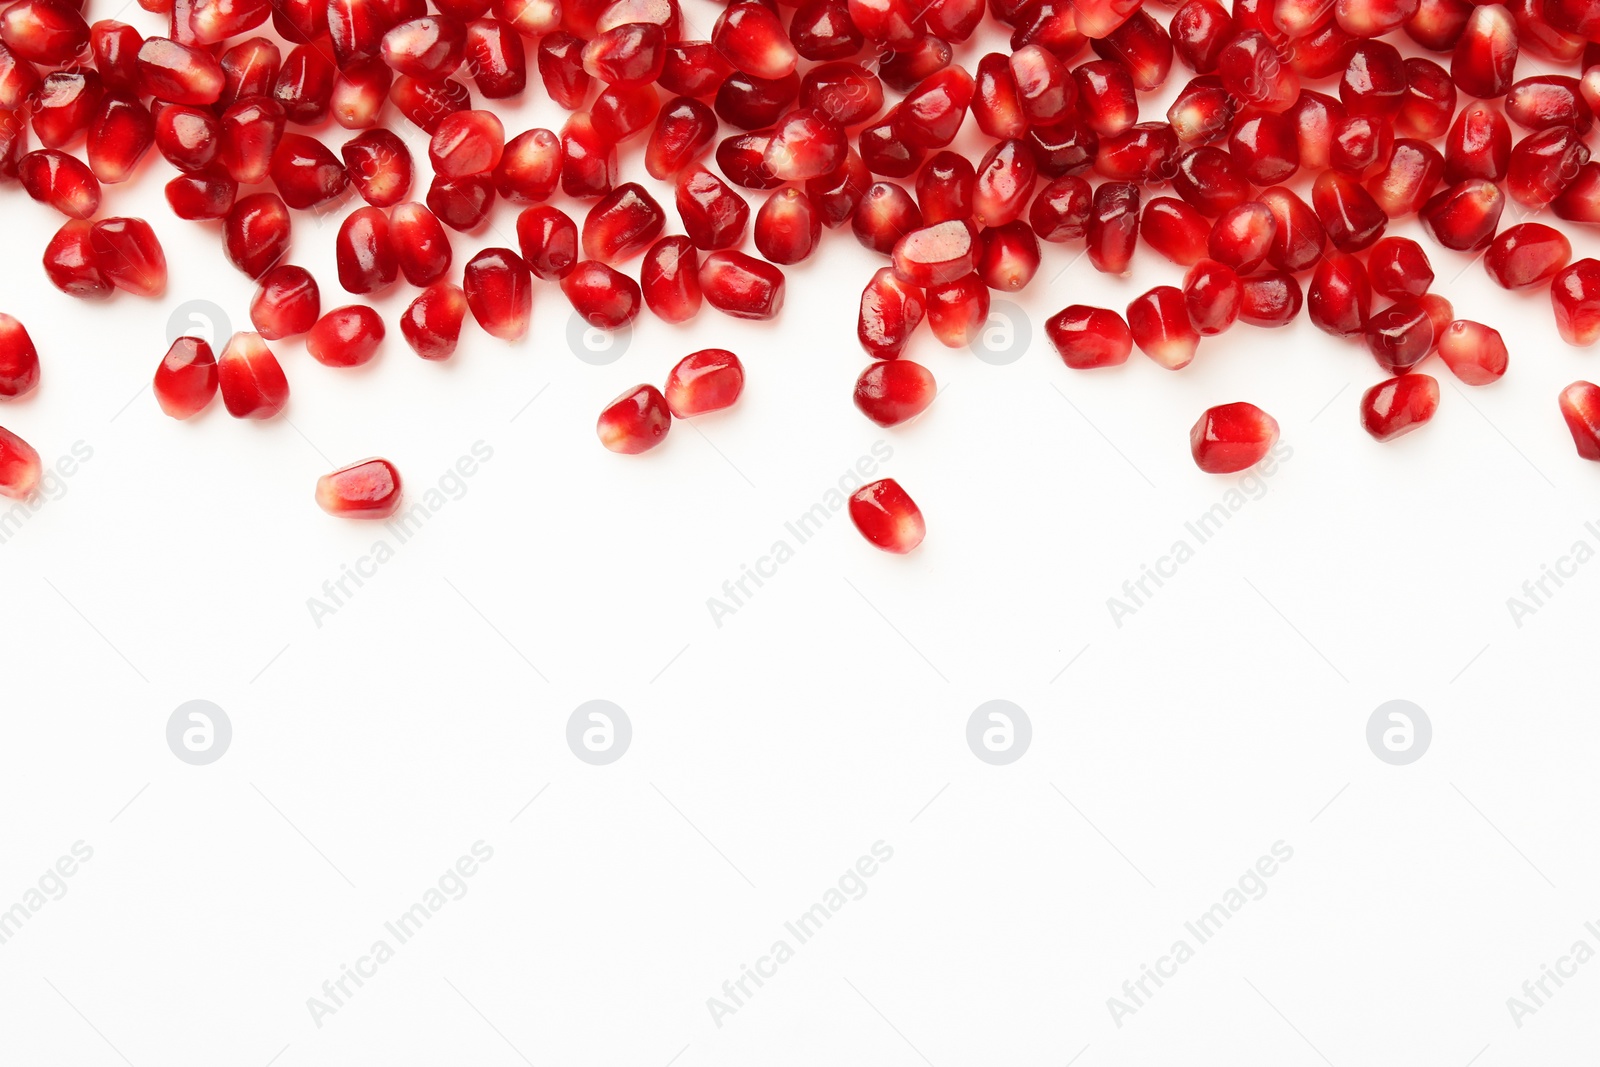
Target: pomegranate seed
pixel 1209 179
pixel 1060 211
pixel 1009 257
pixel 903 68
pixel 1580 202
pixel 129 255
pixel 1233 437
pixel 1409 180
pixel 305 86
pixel 934 255
pixel 461 203
pixel 364 251
pixel 1373 18
pixel 887 516
pixel 19 82
pixel 1159 323
pixel 754 103
pixel 71 264
pixel 588 164
pixel 670 279
pixel 1485 57
pixel 256 233
pixel 1199 30
pixel 52 177
pixel 214 21
pixel 837 195
pixel 805 144
pixel 189 137
pixel 427 48
pixel 742 159
pixel 1580 407
pixel 1089 337
pixel 1046 90
pixel 1574 17
pixel 366 490
pixel 115 46
pixel 663 13
pixel 499 292
pixel 1429 101
pixel 741 285
pixel 996 104
pixel 894 391
pixel 847 93
pixel 712 213
pixel 603 297
pixel 704 381
pixel 1213 296
pixel 1474 353
pixel 882 148
pixel 1145 153
pixel 42 31
pixel 66 102
pixel 466 143
pixel 631 54
pixel 1543 164
pixel 889 21
pixel 1438 24
pixel 360 93
pixel 549 242
pixel 750 37
pixel 1527 255
pixel 379 166
pixel 252 382
pixel 300 21
pixel 1339 299
pixel 1397 406
pixel 425 104
pixel 1113 229
pixel 1175 229
pixel 496 58
pixel 431 324
pixel 249 68
pixel 787 228
pixel 890 312
pixel 1298 237
pixel 622 111
pixel 19 360
pixel 120 133
pixel 958 310
pixel 1202 112
pixel 684 130
pixel 176 73
pixel 1575 293
pixel 535 18
pixel 635 422
pixel 529 167
pixel 186 380
pixel 1106 97
pixel 560 62
pixel 1243 236
pixel 1251 70
pixel 306 173
pixel 345 337
pixel 1375 81
pixel 1141 45
pixel 1465 216
pixel 1398 268
pixel 251 130
pixel 421 246
pixel 20 469
pixel 1349 216
pixel 1543 103
pixel 1400 336
pixel 822 30
pixel 622 224
pixel 1361 145
pixel 1270 300
pixel 287 302
pixel 1265 145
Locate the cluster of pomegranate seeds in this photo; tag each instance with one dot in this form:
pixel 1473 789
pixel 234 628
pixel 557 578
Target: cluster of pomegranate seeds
pixel 1299 135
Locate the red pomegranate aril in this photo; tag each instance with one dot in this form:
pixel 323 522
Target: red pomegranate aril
pixel 186 379
pixel 20 469
pixel 749 36
pixel 713 214
pixel 427 48
pixel 1174 229
pixel 1298 237
pixel 495 56
pixel 19 82
pixel 1413 173
pixel 364 251
pixel 1141 45
pixel 944 188
pixel 366 490
pixel 431 324
pixel 741 285
pixel 893 391
pixel 54 178
pixel 1270 300
pixel 1265 145
pixel 19 360
pixel 306 173
pixel 1580 201
pixel 256 233
pixel 300 21
pixel 622 224
pixel 189 137
pixel 704 381
pixel 120 133
pixel 1213 295
pixel 66 102
pixel 1107 97
pixel 1361 145
pixel 1349 216
pixel 622 111
pixel 466 143
pixel 461 203
pixel 129 255
pixel 1399 268
pixel 499 292
pixel 1199 29
pixel 548 239
pixel 890 312
pixel 45 32
pixel 821 30
pixel 530 167
pixel 805 144
pixel 1465 216
pixel 934 255
pixel 1397 406
pixel 560 62
pixel 1060 210
pixel 421 246
pixel 425 104
pixel 1575 294
pixel 1339 298
pixel 535 18
pixel 252 381
pixel 882 149
pixel 378 164
pixel 1429 101
pixel 787 228
pixel 838 195
pixel 1251 69
pixel 360 93
pixel 1400 336
pixel 1375 80
pixel 251 130
pixel 742 158
pixel 635 422
pixel 1543 164
pixel 207 195
pixel 996 104
pixel 1242 237
pixel 632 54
pixel 1146 153
pixel 1233 437
pixel 1008 257
pixel 249 68
pixel 887 516
pixel 669 277
pixel 1527 255
pixel 345 337
pixel 755 103
pixel 1474 353
pixel 1545 102
pixel 1438 24
pixel 1208 178
pixel 684 129
pixel 1089 337
pixel 178 73
pixel 1112 232
pixel 589 164
pixel 958 311
pixel 71 265
pixel 1046 90
pixel 1485 56
pixel 287 302
pixel 1159 323
pixel 115 46
pixel 1580 408
pixel 1202 112
pixel 356 28
pixel 847 93
pixel 214 21
pixel 602 296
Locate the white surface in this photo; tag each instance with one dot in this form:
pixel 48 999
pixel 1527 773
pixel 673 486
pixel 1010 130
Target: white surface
pixel 827 714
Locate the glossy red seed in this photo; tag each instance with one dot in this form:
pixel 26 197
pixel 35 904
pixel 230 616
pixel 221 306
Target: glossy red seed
pixel 622 224
pixel 741 285
pixel 837 195
pixel 496 58
pixel 530 167
pixel 1400 336
pixel 65 103
pixel 1270 300
pixel 189 137
pixel 560 62
pixel 466 143
pixel 1360 146
pixel 306 173
pixel 499 292
pixel 424 104
pixel 755 103
pixel 1106 97
pixel 805 144
pixel 1208 178
pixel 1543 164
pixel 1408 181
pixel 1202 112
pixel 1265 145
pixel 996 105
pixel 602 296
pixel 1527 255
pixel 934 255
pixel 1112 232
pixel 20 469
pixel 358 96
pixel 421 246
pixel 1159 323
pixel 1580 201
pixel 1089 337
pixel 305 85
pixel 1438 24
pixel 1060 210
pixel 428 48
pixel 589 164
pixel 43 31
pixel 19 360
pixel 957 311
pixel 431 324
pixel 1199 29
pixel 1243 236
pixel 251 130
pixel 115 46
pixel 549 241
pixel 713 214
pixel 787 227
pixel 71 264
pixel 1399 268
pixel 893 391
pixel 1397 406
pixel 822 30
pixel 635 422
pixel 1465 216
pixel 847 93
pixel 749 36
pixel 684 129
pixel 1349 216
pixel 1009 257
pixel 1251 69
pixel 1174 229
pixel 1213 295
pixel 742 158
pixel 1233 437
pixel 631 54
pixel 186 379
pixel 214 21
pixel 704 381
pixel 1575 295
pixel 887 516
pixel 1146 153
pixel 252 381
pixel 256 233
pixel 178 73
pixel 345 337
pixel 890 312
pixel 1580 408
pixel 1298 238
pixel 1339 298
pixel 1375 80
pixel 535 18
pixel 462 204
pixel 670 279
pixel 1428 103
pixel 366 490
pixel 286 303
pixel 130 255
pixel 52 177
pixel 119 134
pixel 1474 353
pixel 364 252
pixel 1541 103
pixel 379 166
pixel 1485 57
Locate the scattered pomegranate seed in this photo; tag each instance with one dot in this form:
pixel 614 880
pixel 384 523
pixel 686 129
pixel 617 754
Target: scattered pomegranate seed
pixel 431 324
pixel 366 490
pixel 1176 230
pixel 1089 337
pixel 1112 232
pixel 1339 299
pixel 1397 406
pixel 887 516
pixel 704 381
pixel 20 469
pixel 379 166
pixel 1527 255
pixel 252 382
pixel 1213 295
pixel 1580 407
pixel 1230 438
pixel 251 130
pixel 894 391
pixel 346 336
pixel 177 73
pixel 1465 216
pixel 466 143
pixel 741 285
pixel 288 302
pixel 186 380
pixel 1575 293
pixel 622 224
pixel 958 311
pixel 129 255
pixel 19 360
pixel 1486 53
pixel 499 292
pixel 636 421
pixel 601 295
pixel 1474 353
pixel 890 311
pixel 52 177
pixel 1400 336
pixel 1159 323
pixel 71 264
pixel 1398 268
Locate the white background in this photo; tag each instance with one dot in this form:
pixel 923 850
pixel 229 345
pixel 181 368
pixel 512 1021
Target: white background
pixel 828 713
